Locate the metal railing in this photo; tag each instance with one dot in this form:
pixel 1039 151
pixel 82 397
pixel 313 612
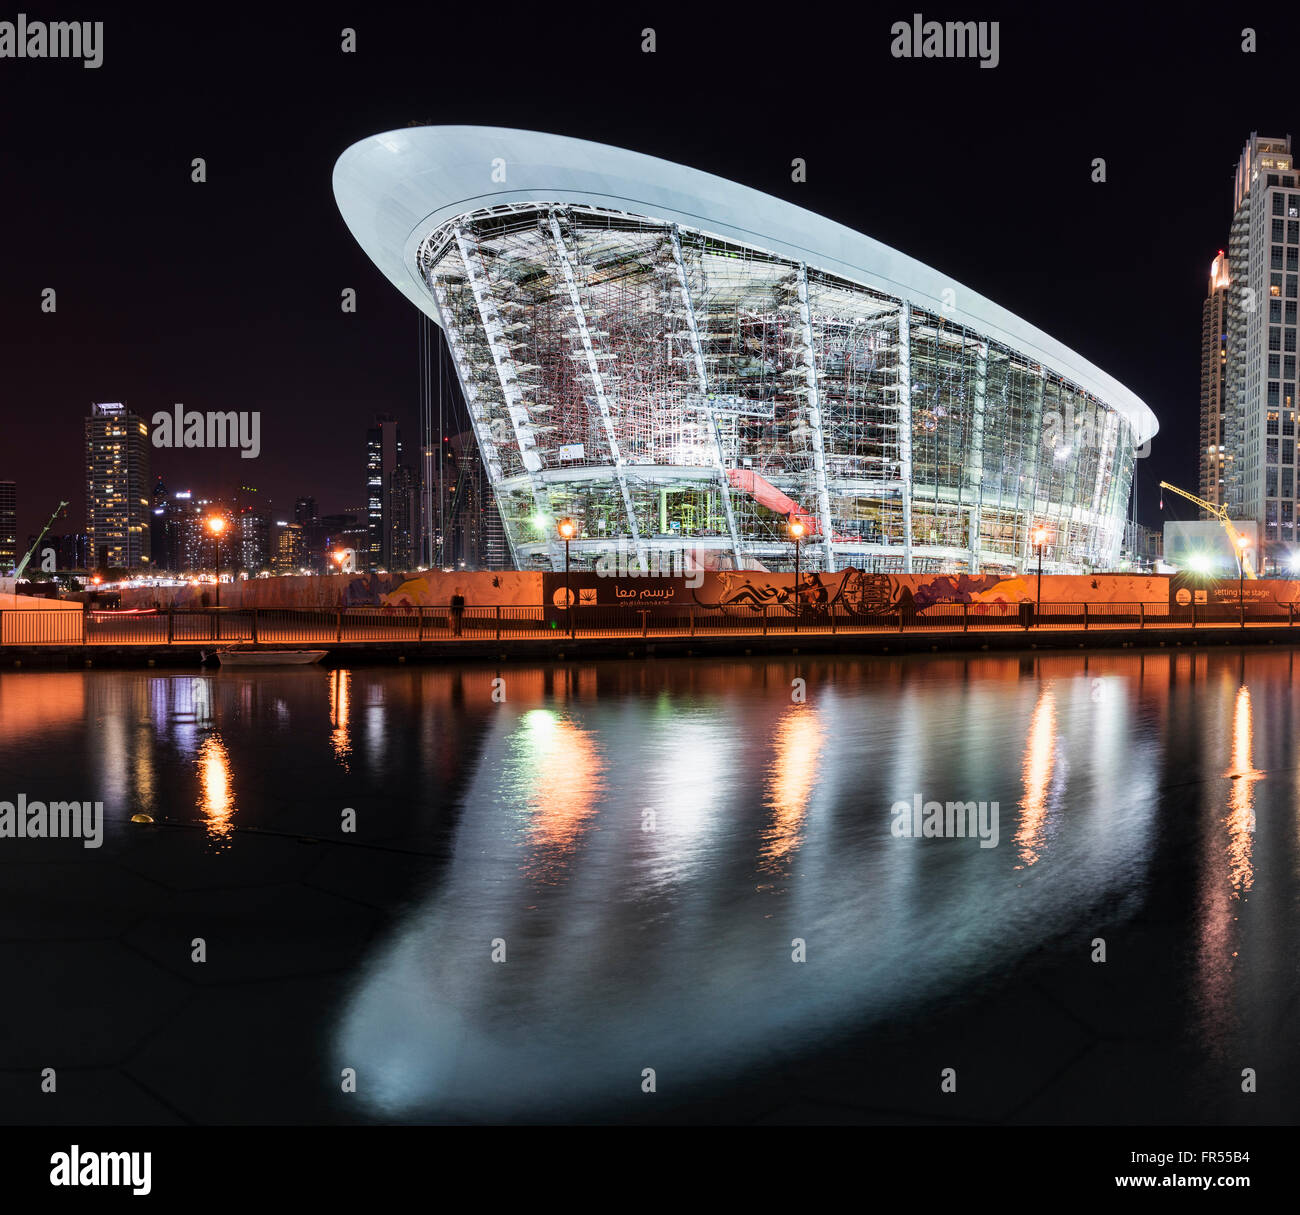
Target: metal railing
pixel 215 627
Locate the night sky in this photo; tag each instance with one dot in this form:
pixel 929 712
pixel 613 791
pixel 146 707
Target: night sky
pixel 226 295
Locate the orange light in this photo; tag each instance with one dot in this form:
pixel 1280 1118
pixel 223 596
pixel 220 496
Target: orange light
pixel 216 525
pixel 339 556
pixel 797 529
pixel 1040 536
pixel 567 528
pixel 1242 542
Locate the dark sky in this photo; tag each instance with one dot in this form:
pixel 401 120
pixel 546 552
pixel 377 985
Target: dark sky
pixel 226 295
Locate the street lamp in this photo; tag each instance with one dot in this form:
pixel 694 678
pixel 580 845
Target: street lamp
pixel 217 525
pixel 1241 574
pixel 567 529
pixel 797 529
pixel 1040 539
pixel 339 556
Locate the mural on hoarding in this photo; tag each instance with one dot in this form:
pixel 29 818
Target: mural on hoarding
pixel 855 592
pixel 852 592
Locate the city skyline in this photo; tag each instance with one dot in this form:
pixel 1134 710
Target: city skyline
pixel 268 333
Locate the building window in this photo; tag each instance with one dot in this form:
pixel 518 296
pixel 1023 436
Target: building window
pixel 1270 447
pixel 1277 204
pixel 1270 482
pixel 1288 451
pixel 1278 227
pixel 1274 338
pixel 1272 421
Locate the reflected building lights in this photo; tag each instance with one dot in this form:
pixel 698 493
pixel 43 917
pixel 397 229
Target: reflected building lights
pixel 558 777
pixel 1241 801
pixel 792 777
pixel 340 710
pixel 1036 770
pixel 216 789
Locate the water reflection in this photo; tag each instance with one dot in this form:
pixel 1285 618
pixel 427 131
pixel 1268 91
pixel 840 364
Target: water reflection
pixel 1037 770
pixel 217 792
pixel 555 778
pixel 340 693
pixel 792 777
pixel 1241 816
pixel 648 839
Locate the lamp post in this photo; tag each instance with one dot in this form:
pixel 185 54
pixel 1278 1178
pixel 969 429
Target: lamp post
pixel 1241 577
pixel 567 529
pixel 1040 539
pixel 797 530
pixel 217 525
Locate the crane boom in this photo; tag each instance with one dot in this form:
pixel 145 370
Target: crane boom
pixel 22 565
pixel 1235 538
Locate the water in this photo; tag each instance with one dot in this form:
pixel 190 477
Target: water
pixel 642 848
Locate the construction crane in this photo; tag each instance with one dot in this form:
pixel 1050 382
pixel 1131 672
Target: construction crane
pixel 1235 538
pixel 22 565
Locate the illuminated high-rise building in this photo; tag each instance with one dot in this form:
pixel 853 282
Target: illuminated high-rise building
pixel 8 526
pixel 118 510
pixel 383 458
pixel 1216 459
pixel 1260 359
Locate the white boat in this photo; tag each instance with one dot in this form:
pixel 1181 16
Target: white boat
pixel 269 658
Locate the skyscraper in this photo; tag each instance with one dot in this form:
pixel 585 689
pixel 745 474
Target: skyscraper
pixel 383 456
pixel 8 526
pixel 1260 380
pixel 1215 457
pixel 403 519
pixel 118 512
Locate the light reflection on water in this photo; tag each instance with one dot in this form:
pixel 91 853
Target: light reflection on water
pixel 647 840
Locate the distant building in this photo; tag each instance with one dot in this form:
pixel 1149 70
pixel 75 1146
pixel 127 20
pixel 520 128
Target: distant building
pixel 289 544
pixel 1143 546
pixel 253 539
pixel 1202 545
pixel 74 551
pixel 118 510
pixel 160 529
pixel 343 533
pixel 8 526
pixel 383 458
pixel 474 536
pixel 403 519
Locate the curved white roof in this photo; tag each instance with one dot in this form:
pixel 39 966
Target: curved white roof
pixel 393 189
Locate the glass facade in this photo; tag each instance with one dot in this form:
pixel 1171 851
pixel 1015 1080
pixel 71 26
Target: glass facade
pixel 681 397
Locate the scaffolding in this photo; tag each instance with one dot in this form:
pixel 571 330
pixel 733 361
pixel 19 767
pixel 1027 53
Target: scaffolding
pixel 643 378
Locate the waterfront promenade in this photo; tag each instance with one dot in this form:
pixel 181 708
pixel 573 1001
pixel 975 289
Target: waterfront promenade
pixel 42 636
